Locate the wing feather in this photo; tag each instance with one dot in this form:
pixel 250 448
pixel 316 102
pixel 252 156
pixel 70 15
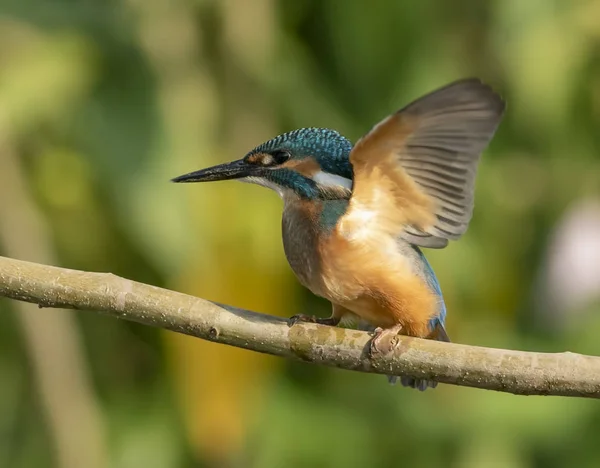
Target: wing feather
pixel 414 172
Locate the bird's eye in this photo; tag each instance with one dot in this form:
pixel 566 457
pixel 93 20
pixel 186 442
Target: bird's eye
pixel 280 156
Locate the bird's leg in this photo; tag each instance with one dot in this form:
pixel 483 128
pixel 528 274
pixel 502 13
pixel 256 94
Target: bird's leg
pixel 380 335
pixel 337 313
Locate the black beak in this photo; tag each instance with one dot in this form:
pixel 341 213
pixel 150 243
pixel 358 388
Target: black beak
pixel 227 171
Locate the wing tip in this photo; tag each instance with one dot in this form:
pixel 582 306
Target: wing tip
pixel 478 88
pixel 495 99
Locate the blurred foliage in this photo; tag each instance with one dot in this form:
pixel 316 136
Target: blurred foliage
pixel 103 101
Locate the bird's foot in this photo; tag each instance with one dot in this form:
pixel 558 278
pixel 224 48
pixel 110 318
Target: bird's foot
pixel 385 340
pixel 331 321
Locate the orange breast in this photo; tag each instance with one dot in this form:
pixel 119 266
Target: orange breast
pixel 370 276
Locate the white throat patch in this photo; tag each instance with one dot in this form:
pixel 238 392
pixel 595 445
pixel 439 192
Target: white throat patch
pixel 265 183
pixel 327 179
pixel 328 182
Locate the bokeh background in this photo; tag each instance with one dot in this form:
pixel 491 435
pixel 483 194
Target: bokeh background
pixel 102 102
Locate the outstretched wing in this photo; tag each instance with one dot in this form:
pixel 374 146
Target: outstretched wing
pixel 414 172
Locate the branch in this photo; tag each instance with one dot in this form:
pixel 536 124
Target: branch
pixel 517 372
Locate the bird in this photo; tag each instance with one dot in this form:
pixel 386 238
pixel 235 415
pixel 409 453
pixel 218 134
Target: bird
pixel 356 216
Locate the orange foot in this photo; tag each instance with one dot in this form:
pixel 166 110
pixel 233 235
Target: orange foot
pixel 384 340
pixel 332 321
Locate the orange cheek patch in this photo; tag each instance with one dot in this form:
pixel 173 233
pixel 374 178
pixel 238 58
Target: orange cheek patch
pixel 260 159
pixel 307 166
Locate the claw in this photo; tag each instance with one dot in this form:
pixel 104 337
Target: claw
pixel 331 321
pixel 374 345
pixel 378 343
pixel 294 319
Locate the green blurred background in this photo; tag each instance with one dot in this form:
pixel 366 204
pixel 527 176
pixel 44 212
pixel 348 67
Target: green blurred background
pixel 103 101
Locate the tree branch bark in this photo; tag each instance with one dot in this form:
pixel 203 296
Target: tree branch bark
pixel 518 372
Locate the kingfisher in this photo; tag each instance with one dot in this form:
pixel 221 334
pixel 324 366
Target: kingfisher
pixel 355 217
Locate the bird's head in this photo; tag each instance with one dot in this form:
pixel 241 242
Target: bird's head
pixel 309 163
